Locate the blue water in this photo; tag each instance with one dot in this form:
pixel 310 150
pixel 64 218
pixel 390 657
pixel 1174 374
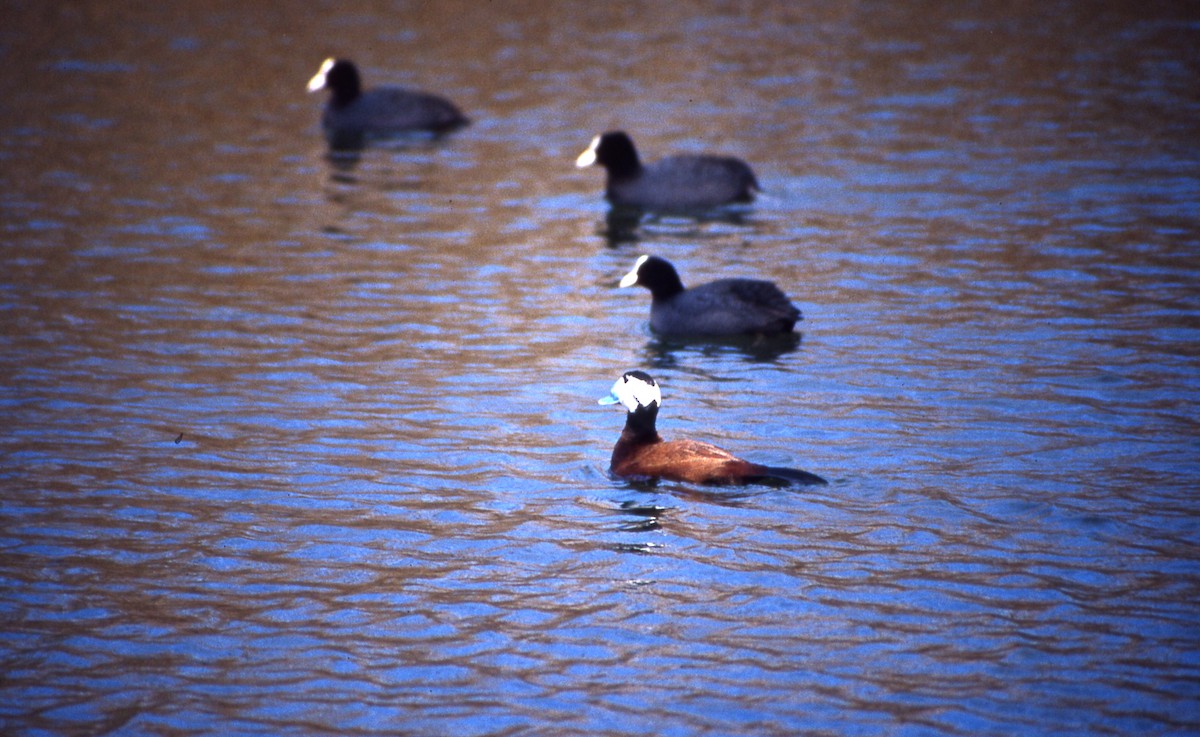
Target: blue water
pixel 302 445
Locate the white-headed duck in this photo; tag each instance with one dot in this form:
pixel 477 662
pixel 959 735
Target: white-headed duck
pixel 641 454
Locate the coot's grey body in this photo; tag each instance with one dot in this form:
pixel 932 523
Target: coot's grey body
pixel 725 307
pixel 685 183
pixel 389 110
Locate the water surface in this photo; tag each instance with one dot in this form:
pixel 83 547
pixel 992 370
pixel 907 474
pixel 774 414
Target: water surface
pixel 305 445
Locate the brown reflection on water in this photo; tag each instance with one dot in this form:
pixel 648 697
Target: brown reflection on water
pixel 389 498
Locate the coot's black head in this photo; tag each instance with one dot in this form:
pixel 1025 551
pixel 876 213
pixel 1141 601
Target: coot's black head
pixel 636 391
pixel 656 274
pixel 614 151
pixel 340 77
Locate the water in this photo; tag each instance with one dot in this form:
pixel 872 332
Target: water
pixel 303 446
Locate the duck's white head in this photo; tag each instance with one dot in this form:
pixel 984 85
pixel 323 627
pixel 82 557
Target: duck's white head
pixel 634 390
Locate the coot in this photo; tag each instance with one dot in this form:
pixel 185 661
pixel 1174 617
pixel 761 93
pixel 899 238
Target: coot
pixel 681 183
pixel 724 307
pixel 353 116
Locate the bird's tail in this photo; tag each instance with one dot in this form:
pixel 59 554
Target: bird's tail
pixel 779 476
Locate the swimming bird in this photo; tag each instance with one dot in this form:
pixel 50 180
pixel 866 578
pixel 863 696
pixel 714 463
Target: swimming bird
pixel 641 454
pixel 724 307
pixel 353 115
pixel 681 183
